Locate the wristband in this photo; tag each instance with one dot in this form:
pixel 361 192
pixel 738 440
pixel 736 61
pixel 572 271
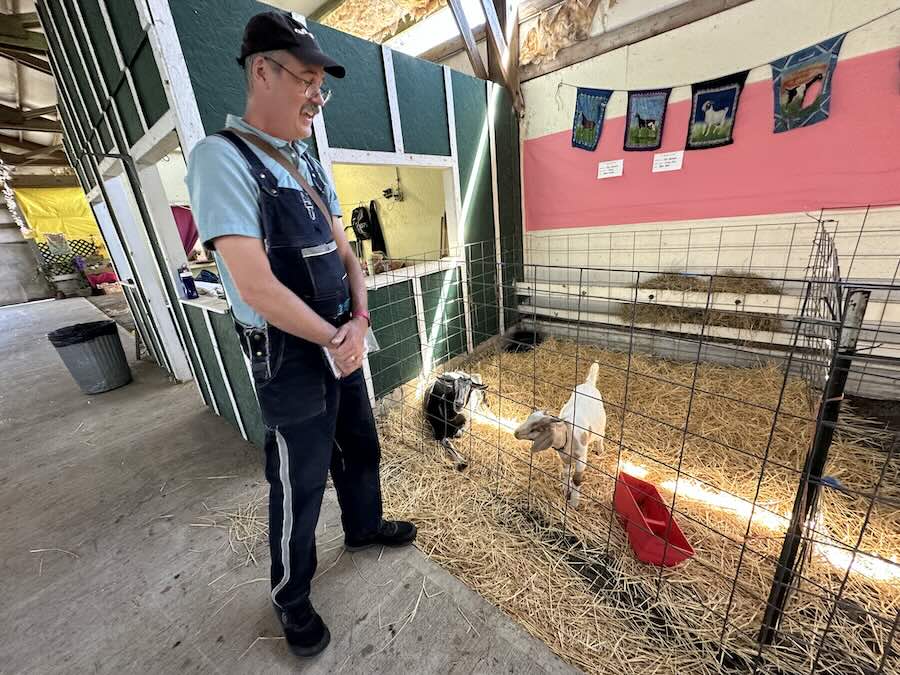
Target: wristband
pixel 363 313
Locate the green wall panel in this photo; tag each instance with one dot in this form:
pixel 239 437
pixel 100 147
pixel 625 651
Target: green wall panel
pixel 470 110
pixel 483 304
pixel 204 344
pixel 126 25
pixel 399 360
pixel 93 21
pixel 210 34
pixel 65 79
pixel 444 322
pixel 112 75
pixel 75 66
pixel 358 115
pixel 128 113
pixel 238 377
pixel 148 84
pixel 423 107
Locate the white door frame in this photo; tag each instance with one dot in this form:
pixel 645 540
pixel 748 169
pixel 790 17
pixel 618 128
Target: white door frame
pixel 122 202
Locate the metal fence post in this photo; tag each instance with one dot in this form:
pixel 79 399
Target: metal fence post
pixel 810 481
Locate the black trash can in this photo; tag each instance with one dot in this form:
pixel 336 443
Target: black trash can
pixel 93 354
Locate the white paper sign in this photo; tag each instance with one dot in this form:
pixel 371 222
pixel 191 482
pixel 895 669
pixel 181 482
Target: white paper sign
pixel 668 161
pixel 610 169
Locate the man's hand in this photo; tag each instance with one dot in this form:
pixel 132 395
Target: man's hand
pixel 347 347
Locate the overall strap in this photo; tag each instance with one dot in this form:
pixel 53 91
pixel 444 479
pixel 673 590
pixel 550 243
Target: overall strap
pixel 317 181
pixel 291 169
pixel 260 173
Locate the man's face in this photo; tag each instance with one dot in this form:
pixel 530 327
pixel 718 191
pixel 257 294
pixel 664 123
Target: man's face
pixel 287 94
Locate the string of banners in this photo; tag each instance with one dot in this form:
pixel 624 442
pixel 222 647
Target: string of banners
pixel 801 90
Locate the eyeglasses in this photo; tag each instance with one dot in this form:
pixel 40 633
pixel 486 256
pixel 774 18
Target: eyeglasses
pixel 311 91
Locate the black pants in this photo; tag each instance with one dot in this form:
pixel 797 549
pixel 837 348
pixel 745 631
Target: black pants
pixel 314 423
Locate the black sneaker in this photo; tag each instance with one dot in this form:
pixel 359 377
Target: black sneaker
pixel 391 533
pixel 306 634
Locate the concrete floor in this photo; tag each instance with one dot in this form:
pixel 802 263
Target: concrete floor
pixel 117 479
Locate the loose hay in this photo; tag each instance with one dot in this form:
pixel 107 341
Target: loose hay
pixel 569 577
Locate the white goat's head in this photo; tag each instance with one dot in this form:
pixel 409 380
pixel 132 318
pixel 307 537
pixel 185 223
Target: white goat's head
pixel 543 430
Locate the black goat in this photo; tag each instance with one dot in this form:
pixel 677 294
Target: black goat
pixel 447 401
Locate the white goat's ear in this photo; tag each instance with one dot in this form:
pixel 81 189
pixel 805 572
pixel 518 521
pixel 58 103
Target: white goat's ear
pixel 544 439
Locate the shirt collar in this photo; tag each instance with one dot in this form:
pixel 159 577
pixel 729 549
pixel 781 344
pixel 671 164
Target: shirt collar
pixel 238 123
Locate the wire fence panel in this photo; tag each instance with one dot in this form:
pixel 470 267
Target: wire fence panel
pixel 727 447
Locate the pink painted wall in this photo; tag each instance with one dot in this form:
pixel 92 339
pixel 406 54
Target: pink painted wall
pixel 851 159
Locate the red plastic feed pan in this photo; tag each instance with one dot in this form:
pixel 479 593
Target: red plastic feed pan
pixel 646 518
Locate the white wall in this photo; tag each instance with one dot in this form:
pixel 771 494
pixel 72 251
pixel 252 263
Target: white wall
pixel 172 171
pixel 751 34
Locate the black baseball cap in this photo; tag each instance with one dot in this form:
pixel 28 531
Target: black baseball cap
pixel 268 31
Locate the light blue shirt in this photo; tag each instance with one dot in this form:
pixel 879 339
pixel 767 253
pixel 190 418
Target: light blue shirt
pixel 224 196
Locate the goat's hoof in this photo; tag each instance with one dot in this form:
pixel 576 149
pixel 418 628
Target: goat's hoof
pixel 462 466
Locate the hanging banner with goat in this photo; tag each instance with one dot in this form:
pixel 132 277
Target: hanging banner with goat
pixel 713 111
pixel 802 83
pixel 646 115
pixel 590 107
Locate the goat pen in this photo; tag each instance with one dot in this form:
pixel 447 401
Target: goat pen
pixel 724 389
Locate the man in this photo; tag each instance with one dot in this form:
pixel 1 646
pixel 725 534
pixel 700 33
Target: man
pixel 296 290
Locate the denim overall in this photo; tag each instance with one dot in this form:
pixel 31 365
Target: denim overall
pixel 313 420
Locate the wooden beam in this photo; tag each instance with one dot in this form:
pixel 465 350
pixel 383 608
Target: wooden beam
pixel 16 160
pixel 16 142
pixel 14 33
pixel 13 119
pixel 39 112
pixel 29 19
pixel 325 9
pixel 640 29
pixel 495 35
pixel 24 180
pixel 46 151
pixel 26 59
pixel 468 39
pixel 453 46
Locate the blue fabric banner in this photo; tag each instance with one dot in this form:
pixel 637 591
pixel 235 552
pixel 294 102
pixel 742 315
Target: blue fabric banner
pixel 802 84
pixel 646 116
pixel 714 106
pixel 590 108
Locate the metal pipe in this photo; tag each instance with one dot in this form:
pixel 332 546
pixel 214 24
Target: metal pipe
pixel 806 500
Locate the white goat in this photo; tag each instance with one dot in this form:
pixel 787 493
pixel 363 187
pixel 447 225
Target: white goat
pixel 580 420
pixel 712 117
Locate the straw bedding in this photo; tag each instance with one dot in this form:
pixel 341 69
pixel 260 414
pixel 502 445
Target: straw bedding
pixel 569 577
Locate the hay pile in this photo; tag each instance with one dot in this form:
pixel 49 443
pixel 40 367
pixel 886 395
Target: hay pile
pixel 569 577
pixel 662 315
pixel 727 281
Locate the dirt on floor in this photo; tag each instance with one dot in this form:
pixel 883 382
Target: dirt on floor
pixel 115 306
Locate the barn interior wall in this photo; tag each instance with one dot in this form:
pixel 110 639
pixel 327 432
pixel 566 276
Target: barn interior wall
pixel 762 178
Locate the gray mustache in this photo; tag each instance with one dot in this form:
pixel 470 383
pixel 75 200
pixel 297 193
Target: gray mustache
pixel 311 108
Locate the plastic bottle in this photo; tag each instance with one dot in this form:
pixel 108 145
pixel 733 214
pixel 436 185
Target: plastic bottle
pixel 187 282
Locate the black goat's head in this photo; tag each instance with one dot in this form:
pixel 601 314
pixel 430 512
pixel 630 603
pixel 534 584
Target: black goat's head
pixel 462 384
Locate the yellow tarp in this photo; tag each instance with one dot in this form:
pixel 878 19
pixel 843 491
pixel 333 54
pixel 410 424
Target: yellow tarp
pixel 59 210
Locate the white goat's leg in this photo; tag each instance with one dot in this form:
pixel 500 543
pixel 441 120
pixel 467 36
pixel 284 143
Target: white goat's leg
pixel 567 481
pixel 580 463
